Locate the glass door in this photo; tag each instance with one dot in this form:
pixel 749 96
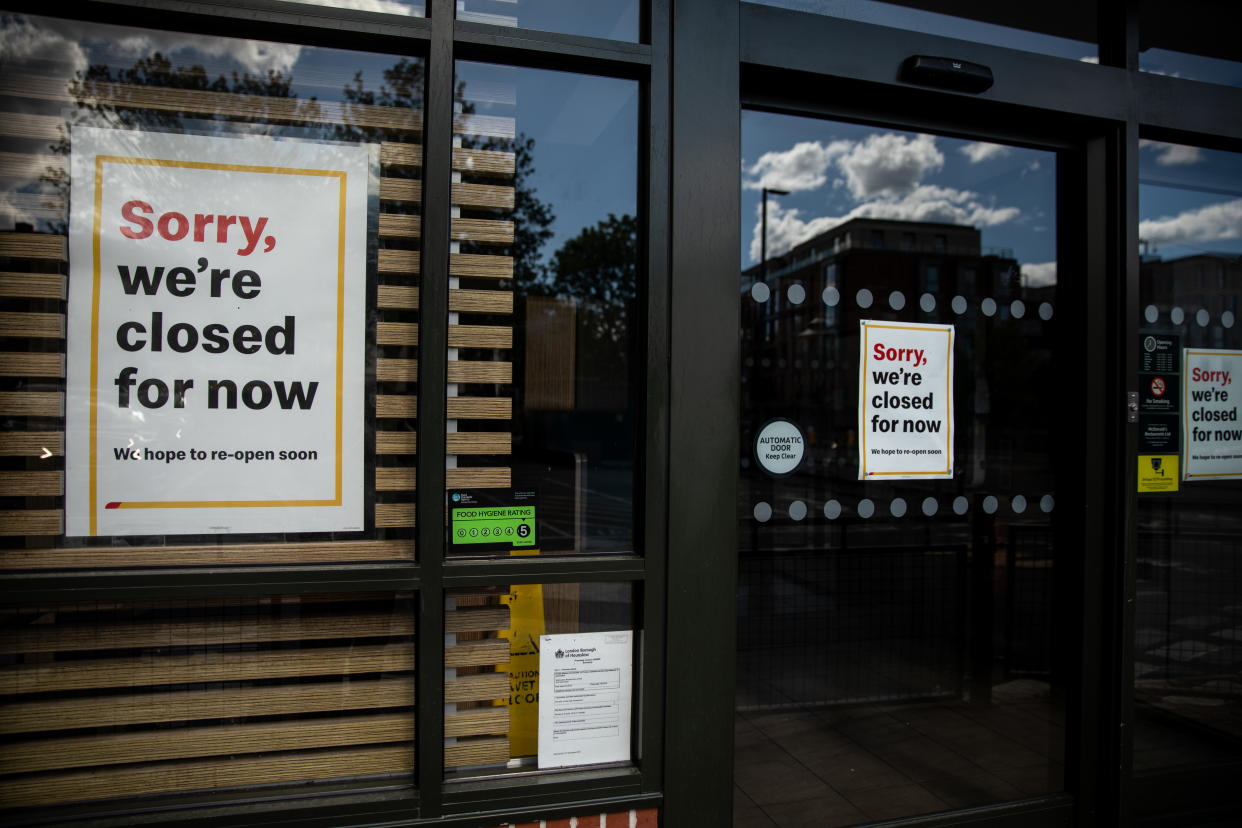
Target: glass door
pixel 901 623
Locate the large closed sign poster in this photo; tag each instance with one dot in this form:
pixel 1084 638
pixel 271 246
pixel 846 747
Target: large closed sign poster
pixel 216 340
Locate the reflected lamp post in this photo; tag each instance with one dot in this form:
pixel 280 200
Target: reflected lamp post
pixel 763 231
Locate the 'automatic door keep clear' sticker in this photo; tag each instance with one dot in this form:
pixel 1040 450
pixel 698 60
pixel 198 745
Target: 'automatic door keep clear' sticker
pixel 779 447
pixel 905 401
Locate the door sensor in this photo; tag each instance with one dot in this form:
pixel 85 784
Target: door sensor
pixel 946 73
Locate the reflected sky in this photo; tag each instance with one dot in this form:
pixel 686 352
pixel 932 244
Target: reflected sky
pixel 1190 200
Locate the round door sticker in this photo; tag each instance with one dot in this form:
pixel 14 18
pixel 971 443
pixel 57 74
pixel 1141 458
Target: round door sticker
pixel 779 447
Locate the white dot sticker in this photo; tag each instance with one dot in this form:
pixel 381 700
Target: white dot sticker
pixel 1018 504
pixel 1151 313
pixel 1017 309
pixel 990 504
pixel 763 512
pixel 866 508
pixel 930 506
pixel 927 302
pixel 1177 316
pixel 988 306
pixel 959 305
pixel 831 296
pixel 1045 311
pixel 1047 503
pixel 1203 317
pixel 896 300
pixel 796 294
pixel 960 505
pixel 797 510
pixel 832 510
pixel 760 292
pixel 897 508
pixel 864 298
pixel 1227 319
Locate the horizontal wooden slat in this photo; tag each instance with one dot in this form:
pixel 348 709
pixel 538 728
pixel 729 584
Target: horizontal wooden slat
pixel 478 478
pixel 32 483
pixel 481 301
pixel 395 479
pixel 194 705
pixel 481 687
pixel 33 325
pixel 488 652
pixel 32 522
pixel 480 442
pixel 396 370
pixel 401 189
pixel 25 125
pixel 482 231
pixel 208 555
pixel 157 670
pixel 32 443
pixel 32 365
pixel 398 261
pixel 477 371
pixel 480 408
pixel 393 154
pixel 32 245
pixel 491 751
pixel 198 632
pixel 483 195
pixel 32 403
pixel 214 103
pixel 477 722
pixel 483 162
pixel 480 266
pixel 396 333
pixel 394 515
pixel 397 297
pixel 203 774
pixel 396 442
pixel 397 226
pixel 33 285
pixel 477 619
pixel 30 165
pixel 396 405
pixel 480 336
pixel 490 126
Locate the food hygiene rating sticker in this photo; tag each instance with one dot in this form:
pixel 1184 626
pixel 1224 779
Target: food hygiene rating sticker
pixel 494 519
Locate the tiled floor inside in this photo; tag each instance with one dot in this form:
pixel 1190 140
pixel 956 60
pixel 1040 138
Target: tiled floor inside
pixel 844 766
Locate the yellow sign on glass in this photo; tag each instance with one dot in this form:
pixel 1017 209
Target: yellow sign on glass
pixel 1157 473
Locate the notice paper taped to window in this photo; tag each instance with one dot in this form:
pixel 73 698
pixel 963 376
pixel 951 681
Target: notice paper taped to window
pixel 585 698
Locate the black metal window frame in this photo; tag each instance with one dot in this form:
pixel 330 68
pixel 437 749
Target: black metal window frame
pixel 440 40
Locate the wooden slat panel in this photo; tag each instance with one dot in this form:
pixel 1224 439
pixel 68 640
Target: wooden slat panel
pixel 215 103
pixel 483 162
pixel 477 619
pixel 397 226
pixel 192 742
pixel 482 231
pixel 483 195
pixel 32 403
pixel 396 442
pixel 32 522
pixel 32 245
pixel 480 687
pixel 480 266
pixel 395 478
pixel 485 653
pixel 32 365
pixel 394 515
pixel 396 405
pixel 31 443
pixel 480 336
pixel 197 632
pixel 398 261
pixel 396 370
pixel 480 442
pixel 32 483
pixel 397 297
pixel 30 165
pixel 478 478
pixel 55 788
pixel 33 325
pixel 25 125
pixel 191 705
pixel 396 333
pixel 408 190
pixel 480 408
pixel 477 371
pixel 33 285
pixel 208 555
pixel 393 154
pixel 476 752
pixel 156 670
pixel 490 126
pixel 480 301
pixel 478 722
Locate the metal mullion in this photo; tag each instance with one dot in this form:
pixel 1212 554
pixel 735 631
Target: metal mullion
pixel 432 392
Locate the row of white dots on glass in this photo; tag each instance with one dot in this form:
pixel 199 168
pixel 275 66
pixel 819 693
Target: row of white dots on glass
pixel 1178 316
pixel 796 294
pixel 898 507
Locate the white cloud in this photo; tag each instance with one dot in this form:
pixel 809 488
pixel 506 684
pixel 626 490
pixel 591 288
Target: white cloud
pixel 889 164
pixel 787 229
pixel 979 151
pixel 1172 155
pixel 385 6
pixel 1090 59
pixel 255 56
pixel 22 42
pixel 1211 223
pixel 804 167
pixel 1039 274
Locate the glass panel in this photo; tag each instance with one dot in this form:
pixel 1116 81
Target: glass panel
pixel 1188 616
pixel 617 20
pixel 1197 43
pixel 247 320
pixel 136 698
pixel 500 642
pixel 406 8
pixel 1068 31
pixel 543 302
pixel 895 626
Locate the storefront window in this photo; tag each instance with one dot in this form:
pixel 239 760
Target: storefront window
pixel 543 312
pixel 210 250
pixel 616 20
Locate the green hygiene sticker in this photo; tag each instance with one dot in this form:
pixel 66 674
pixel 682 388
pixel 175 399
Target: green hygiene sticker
pixel 513 525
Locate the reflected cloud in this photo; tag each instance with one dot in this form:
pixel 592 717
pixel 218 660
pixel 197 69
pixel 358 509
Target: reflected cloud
pixel 804 167
pixel 889 164
pixel 980 151
pixel 1211 223
pixel 1039 274
pixel 1173 155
